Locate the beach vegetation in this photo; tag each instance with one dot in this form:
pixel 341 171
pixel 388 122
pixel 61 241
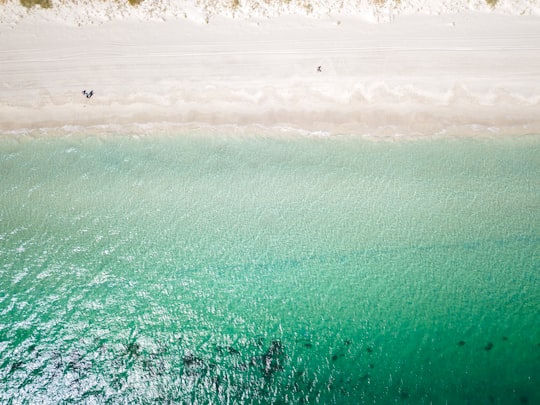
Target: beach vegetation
pixel 308 7
pixel 492 3
pixel 135 2
pixel 32 3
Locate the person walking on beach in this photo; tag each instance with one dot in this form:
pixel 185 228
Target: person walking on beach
pixel 88 94
pixel 319 68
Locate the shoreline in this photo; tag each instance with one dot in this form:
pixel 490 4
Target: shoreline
pixel 420 75
pixel 169 130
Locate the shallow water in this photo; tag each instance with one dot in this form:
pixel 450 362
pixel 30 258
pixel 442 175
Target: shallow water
pixel 259 269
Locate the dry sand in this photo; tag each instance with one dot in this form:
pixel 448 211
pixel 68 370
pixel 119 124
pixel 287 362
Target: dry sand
pixel 417 74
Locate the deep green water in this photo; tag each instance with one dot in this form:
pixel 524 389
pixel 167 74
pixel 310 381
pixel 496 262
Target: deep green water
pixel 254 269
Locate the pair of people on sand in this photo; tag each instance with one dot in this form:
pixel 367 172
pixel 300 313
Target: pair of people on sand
pixel 88 94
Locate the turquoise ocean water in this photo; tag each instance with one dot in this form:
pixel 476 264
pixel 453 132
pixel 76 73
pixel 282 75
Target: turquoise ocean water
pixel 266 269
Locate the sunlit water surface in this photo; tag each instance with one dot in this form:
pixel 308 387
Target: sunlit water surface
pixel 266 269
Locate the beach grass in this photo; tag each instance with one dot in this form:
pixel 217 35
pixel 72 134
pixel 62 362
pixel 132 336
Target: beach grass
pixel 48 3
pixel 32 3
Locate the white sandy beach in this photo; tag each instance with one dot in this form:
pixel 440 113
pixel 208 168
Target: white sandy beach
pixel 384 73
